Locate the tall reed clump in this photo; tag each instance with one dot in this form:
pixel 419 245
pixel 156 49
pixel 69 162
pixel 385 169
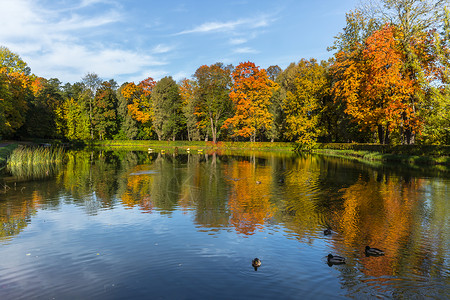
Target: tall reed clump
pixel 35 161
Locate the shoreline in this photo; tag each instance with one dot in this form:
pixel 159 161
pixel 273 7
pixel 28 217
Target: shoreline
pixel 405 154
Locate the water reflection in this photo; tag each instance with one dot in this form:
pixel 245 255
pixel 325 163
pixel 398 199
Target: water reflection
pixel 288 196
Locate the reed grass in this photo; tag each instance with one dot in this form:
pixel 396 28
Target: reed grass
pixel 36 162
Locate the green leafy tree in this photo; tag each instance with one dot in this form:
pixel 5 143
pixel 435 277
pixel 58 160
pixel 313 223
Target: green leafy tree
pixel 43 118
pixel 168 119
pixel 91 83
pixel 76 120
pixel 213 101
pixel 104 118
pixel 187 92
pixel 12 62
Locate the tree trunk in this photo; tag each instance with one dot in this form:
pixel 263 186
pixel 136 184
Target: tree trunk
pixel 409 137
pixel 380 134
pixel 213 131
pixel 386 137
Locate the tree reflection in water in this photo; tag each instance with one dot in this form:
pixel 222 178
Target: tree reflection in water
pixel 402 213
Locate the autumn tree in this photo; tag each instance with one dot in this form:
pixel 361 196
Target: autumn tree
pixel 250 94
pixel 139 105
pixel 377 87
pixel 167 113
pixel 303 103
pixel 14 95
pixel 412 22
pixel 213 101
pixel 128 127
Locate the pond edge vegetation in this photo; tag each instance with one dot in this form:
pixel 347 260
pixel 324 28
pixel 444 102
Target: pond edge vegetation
pixel 15 154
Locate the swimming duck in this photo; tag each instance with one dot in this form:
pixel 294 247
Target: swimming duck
pixel 256 263
pixel 335 260
pixel 327 231
pixel 373 251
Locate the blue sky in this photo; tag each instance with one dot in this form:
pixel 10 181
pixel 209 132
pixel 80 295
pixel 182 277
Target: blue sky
pixel 132 40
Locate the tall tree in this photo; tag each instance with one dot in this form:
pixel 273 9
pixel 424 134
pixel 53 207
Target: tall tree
pixel 413 20
pixel 104 118
pixel 214 105
pixel 91 83
pixel 15 93
pixel 43 119
pixel 139 105
pixel 128 127
pixel 188 90
pixel 167 117
pixel 250 94
pixel 303 103
pixel 76 120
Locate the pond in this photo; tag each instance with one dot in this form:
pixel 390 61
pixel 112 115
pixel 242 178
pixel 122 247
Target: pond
pixel 136 225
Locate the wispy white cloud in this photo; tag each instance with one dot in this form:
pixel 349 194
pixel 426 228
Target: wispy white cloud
pixel 249 23
pixel 161 48
pixel 213 27
pixel 245 50
pixel 77 22
pixel 238 41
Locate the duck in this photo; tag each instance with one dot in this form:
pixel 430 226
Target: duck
pixel 327 231
pixel 373 251
pixel 335 260
pixel 256 263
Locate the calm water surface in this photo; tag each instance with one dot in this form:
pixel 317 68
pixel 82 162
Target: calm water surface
pixel 137 225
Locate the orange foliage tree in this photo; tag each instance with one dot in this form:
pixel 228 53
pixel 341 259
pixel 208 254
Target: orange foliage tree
pixel 139 96
pixel 250 95
pixel 375 85
pixel 139 99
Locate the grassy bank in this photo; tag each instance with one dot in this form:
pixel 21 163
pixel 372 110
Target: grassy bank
pixel 408 154
pixel 193 146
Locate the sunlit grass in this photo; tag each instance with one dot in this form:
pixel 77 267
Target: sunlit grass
pixel 36 162
pixel 4 152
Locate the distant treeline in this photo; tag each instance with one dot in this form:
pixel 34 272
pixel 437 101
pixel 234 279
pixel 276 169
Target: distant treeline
pixel 387 82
